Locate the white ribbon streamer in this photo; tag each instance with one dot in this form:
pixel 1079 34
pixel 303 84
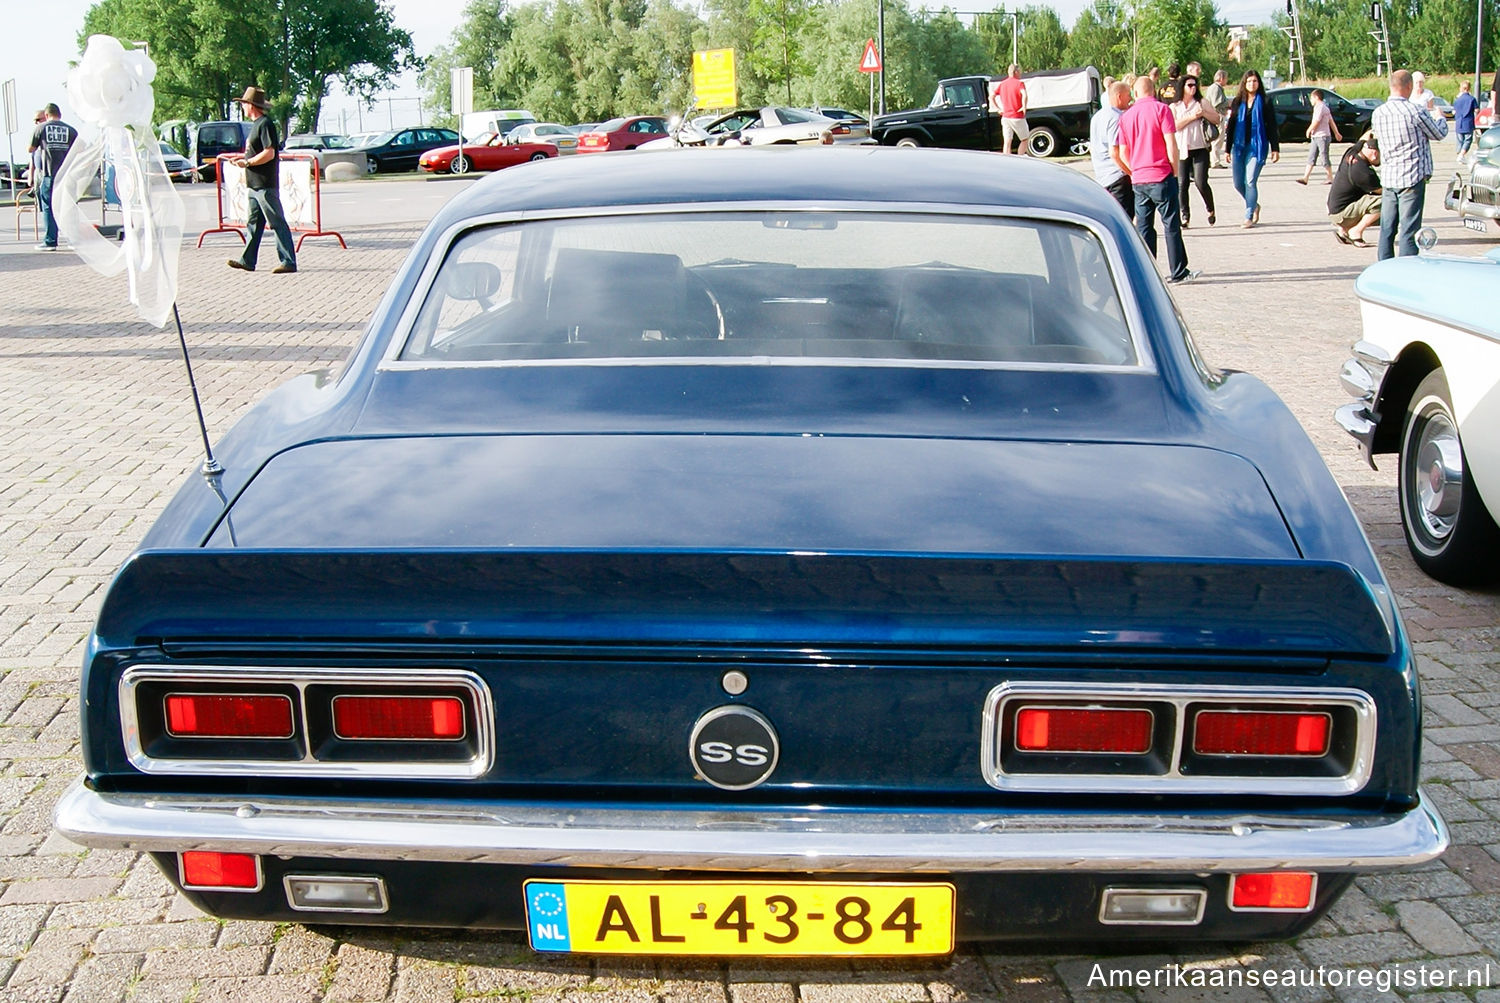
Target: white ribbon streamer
pixel 111 89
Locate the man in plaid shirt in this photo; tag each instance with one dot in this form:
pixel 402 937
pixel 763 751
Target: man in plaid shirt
pixel 1405 132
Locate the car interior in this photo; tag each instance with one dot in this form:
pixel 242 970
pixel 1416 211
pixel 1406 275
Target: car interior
pixel 603 303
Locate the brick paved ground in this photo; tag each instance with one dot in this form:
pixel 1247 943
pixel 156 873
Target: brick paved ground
pixel 99 430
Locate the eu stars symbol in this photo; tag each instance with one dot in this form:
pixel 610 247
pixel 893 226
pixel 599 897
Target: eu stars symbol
pixel 547 915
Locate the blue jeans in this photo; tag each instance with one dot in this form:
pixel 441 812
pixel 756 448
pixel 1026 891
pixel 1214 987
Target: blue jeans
pixel 1246 172
pixel 1400 210
pixel 1464 140
pixel 265 207
pixel 1160 197
pixel 44 199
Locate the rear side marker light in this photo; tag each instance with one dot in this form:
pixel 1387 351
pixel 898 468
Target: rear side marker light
pixel 1152 906
pixel 228 715
pixel 213 871
pixel 1273 891
pixel 1083 729
pixel 398 718
pixel 335 893
pixel 1261 733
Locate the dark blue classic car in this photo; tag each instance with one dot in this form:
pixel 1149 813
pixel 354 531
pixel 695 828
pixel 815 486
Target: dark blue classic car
pixel 716 556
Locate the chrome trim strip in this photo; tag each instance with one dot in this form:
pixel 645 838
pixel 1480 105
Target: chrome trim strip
pixel 301 678
pixel 337 879
pixel 1200 893
pixel 260 877
pixel 1312 899
pixel 1113 255
pixel 1173 781
pixel 755 839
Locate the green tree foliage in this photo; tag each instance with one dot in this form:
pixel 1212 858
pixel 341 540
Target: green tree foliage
pixel 779 39
pixel 208 51
pixel 1180 31
pixel 1044 42
pixel 1437 36
pixel 1102 37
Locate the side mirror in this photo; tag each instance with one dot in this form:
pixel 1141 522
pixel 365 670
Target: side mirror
pixel 475 281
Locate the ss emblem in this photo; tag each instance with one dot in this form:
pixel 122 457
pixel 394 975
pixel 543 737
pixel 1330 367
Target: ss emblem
pixel 734 747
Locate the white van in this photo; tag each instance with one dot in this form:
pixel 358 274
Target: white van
pixel 500 120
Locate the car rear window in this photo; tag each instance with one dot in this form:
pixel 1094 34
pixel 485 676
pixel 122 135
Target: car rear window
pixel 757 285
pixel 613 125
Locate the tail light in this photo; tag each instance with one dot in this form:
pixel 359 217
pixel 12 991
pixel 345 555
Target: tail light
pixel 229 715
pixel 839 130
pixel 398 718
pixel 1274 891
pixel 1083 729
pixel 1261 733
pixel 210 870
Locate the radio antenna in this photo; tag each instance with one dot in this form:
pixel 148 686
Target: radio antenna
pixel 211 467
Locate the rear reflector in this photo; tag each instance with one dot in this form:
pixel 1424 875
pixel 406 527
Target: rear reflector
pixel 229 715
pixel 410 718
pixel 1277 890
pixel 209 869
pixel 1261 733
pixel 1083 729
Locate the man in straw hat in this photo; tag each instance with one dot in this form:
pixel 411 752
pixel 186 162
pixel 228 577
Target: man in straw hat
pixel 262 181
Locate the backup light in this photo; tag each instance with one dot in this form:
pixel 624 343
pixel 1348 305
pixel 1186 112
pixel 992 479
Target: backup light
pixel 1261 733
pixel 211 869
pixel 398 718
pixel 1083 729
pixel 1290 891
pixel 335 893
pixel 229 715
pixel 1152 906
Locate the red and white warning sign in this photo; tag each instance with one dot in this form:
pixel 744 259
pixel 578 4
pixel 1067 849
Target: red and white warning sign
pixel 870 61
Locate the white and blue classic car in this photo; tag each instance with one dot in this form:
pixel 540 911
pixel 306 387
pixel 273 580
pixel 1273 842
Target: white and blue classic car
pixel 1426 375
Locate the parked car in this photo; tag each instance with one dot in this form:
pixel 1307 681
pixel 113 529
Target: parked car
pixel 328 148
pixel 729 555
pixel 179 167
pixel 318 141
pixel 583 127
pixel 402 149
pixel 622 134
pixel 768 127
pixel 1424 375
pixel 1294 113
pixel 501 120
pixel 840 115
pixel 491 152
pixel 1474 191
pixel 211 140
pixel 560 136
pixel 962 115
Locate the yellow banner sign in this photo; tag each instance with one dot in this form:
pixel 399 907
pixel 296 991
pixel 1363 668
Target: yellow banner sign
pixel 713 79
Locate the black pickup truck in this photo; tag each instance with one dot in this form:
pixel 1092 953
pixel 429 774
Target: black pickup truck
pixel 1058 108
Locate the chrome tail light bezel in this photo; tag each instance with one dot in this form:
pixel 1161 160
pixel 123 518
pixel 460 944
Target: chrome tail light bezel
pixel 309 753
pixel 1344 770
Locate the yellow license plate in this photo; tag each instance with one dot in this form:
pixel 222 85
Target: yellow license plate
pixel 724 918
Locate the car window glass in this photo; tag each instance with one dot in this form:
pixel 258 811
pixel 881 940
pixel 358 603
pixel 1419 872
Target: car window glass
pixel 402 139
pixel 451 306
pixel 613 125
pixel 846 285
pixel 793 115
pixel 964 93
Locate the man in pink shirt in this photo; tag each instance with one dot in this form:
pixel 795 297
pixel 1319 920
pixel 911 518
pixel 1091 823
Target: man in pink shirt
pixel 1010 97
pixel 1146 151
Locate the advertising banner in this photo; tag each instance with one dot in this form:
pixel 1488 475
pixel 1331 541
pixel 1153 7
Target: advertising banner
pixel 713 79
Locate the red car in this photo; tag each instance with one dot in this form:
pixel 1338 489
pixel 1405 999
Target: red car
pixel 623 134
pixel 490 152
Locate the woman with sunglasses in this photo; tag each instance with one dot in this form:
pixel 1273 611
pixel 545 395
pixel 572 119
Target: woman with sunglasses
pixel 1193 113
pixel 1250 140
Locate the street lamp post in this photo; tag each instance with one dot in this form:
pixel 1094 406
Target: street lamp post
pixel 880 44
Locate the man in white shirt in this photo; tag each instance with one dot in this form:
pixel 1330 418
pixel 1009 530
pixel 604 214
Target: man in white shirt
pixel 1104 133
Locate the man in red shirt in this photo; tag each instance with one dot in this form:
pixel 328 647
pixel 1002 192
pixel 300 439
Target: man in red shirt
pixel 1011 98
pixel 1146 151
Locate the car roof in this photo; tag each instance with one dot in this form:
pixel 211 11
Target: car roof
pixel 788 176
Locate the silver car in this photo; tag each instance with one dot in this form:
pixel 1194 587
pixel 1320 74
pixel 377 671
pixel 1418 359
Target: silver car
pixel 560 136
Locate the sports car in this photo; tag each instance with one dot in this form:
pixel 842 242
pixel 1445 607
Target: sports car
pixel 490 152
pixel 708 556
pixel 1424 377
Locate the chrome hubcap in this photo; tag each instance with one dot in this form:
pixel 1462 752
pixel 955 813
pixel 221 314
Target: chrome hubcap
pixel 1439 474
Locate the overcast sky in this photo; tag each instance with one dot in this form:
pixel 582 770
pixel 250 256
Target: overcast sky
pixel 44 39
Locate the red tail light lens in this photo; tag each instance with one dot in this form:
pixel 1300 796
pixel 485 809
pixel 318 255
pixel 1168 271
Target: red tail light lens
pixel 229 715
pixel 1289 890
pixel 208 869
pixel 1083 729
pixel 412 718
pixel 840 130
pixel 1261 733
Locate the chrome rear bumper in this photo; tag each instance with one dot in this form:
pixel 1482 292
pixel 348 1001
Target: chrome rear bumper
pixel 829 840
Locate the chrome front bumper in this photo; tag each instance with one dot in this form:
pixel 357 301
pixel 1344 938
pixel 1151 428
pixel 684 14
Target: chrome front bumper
pixel 827 840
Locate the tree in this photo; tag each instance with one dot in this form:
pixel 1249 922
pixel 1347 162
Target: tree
pixel 1180 31
pixel 1044 42
pixel 1101 37
pixel 778 40
pixel 481 36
